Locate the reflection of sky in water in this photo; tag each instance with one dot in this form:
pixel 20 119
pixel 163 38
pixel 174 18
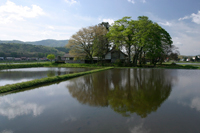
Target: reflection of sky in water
pixel 12 109
pixel 186 91
pixel 64 107
pixel 12 76
pixel 6 82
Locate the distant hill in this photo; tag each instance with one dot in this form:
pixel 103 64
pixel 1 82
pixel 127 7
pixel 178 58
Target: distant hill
pixel 48 42
pixel 27 50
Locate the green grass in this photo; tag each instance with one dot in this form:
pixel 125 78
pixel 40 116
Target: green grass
pixel 171 66
pixel 42 81
pixel 47 64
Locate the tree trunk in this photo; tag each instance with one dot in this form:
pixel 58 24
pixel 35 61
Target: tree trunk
pixel 135 58
pixel 144 60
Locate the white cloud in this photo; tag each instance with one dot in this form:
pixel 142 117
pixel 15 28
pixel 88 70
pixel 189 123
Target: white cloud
pixel 110 21
pixel 51 27
pixel 165 24
pixel 195 17
pixel 71 2
pixel 143 1
pixel 185 36
pixel 186 17
pixel 10 12
pixel 132 1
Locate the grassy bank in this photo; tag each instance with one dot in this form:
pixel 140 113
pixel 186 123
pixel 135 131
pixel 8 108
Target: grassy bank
pixel 47 64
pixel 175 66
pixel 36 82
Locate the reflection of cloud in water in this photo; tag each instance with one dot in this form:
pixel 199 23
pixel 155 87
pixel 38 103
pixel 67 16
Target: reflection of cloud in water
pixel 139 129
pixel 111 86
pixel 195 103
pixel 6 131
pixel 70 118
pixel 12 109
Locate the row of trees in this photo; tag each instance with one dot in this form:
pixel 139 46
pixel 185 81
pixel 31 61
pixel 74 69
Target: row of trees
pixel 141 39
pixel 28 50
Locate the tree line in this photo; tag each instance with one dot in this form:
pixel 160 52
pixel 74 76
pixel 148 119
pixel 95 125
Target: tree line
pixel 28 50
pixel 141 39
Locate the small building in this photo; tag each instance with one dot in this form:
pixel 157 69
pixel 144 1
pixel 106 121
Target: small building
pixel 43 59
pixel 23 58
pixel 32 59
pixel 71 59
pixel 115 54
pixel 9 58
pixel 17 59
pixel 1 58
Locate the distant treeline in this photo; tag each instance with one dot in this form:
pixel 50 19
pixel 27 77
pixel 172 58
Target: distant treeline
pixel 29 50
pixel 48 42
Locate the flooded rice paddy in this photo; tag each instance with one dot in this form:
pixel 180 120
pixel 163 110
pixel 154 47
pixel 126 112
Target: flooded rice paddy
pixel 117 101
pixel 11 76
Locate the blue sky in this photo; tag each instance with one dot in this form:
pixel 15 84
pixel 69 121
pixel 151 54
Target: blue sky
pixel 33 20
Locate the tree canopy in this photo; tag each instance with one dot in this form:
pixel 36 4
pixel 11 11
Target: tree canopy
pixel 139 37
pixel 142 39
pixel 88 42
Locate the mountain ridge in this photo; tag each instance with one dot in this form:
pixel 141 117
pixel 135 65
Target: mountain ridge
pixel 29 50
pixel 46 42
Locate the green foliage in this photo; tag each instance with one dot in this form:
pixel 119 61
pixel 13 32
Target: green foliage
pixel 26 50
pixel 82 43
pixel 51 57
pixel 48 42
pixel 121 33
pixel 140 37
pixel 63 49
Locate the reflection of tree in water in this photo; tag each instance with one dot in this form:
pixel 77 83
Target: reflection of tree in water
pixel 90 89
pixel 127 91
pixel 51 73
pixel 144 91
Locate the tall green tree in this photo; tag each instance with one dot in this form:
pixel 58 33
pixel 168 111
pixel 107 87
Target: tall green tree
pixel 142 28
pixel 159 43
pixel 122 34
pixel 141 37
pixel 101 42
pixel 81 43
pixel 88 42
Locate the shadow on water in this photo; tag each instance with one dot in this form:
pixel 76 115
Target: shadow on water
pixel 126 91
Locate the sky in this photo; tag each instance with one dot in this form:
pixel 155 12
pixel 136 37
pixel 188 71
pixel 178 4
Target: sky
pixel 34 20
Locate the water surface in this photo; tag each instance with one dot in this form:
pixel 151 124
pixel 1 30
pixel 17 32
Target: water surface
pixel 118 100
pixel 11 76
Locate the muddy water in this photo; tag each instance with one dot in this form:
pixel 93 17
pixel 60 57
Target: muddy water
pixel 118 100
